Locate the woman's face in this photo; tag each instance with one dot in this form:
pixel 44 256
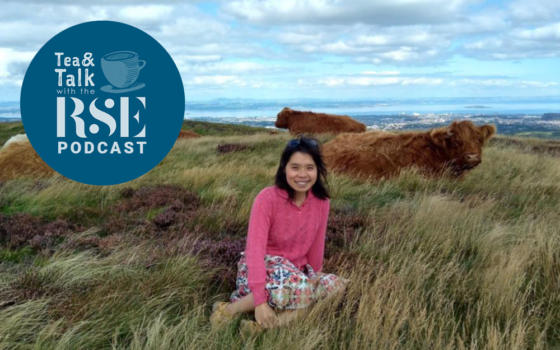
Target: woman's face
pixel 301 172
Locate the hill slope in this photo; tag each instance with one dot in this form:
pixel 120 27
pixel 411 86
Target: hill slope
pixel 433 263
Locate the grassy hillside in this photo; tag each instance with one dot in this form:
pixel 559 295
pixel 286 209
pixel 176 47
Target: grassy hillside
pixel 433 263
pixel 8 130
pixel 215 129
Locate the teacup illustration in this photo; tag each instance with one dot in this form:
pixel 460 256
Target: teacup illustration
pixel 121 68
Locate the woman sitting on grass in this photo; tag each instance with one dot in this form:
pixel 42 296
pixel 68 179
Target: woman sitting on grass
pixel 279 272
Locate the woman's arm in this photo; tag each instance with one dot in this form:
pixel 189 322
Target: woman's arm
pixel 255 250
pixel 316 252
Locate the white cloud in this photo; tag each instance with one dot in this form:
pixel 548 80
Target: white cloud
pixel 298 38
pixel 272 44
pixel 484 44
pixel 13 64
pixel 216 80
pixel 505 83
pixel 535 11
pixel 398 12
pixel 146 12
pixel 372 40
pixel 189 59
pixel 29 35
pixel 547 32
pixel 393 72
pixel 426 81
pixel 193 29
pixel 401 54
pixel 341 47
pixel 332 81
pixel 538 84
pixel 422 81
pixel 535 42
pixel 226 68
pixel 375 44
pixel 365 81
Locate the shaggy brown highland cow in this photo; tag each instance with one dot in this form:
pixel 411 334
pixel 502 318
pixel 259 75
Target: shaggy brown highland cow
pixel 316 123
pixel 187 134
pixel 18 158
pixel 455 148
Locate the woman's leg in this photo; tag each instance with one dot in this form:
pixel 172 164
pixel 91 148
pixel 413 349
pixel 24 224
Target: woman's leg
pixel 244 304
pixel 328 286
pixel 288 316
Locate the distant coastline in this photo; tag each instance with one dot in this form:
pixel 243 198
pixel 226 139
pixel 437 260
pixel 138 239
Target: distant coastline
pixel 511 115
pixel 9 120
pixel 478 107
pixel 546 125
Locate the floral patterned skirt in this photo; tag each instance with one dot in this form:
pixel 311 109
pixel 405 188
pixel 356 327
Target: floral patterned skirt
pixel 287 287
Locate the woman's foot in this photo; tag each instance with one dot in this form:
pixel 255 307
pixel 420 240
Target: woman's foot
pixel 249 329
pixel 221 316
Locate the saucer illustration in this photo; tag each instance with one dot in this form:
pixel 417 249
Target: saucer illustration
pixel 114 90
pixel 121 69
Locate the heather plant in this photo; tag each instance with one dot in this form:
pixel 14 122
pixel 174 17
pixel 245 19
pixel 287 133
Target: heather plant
pixel 433 263
pixel 220 256
pixel 152 210
pixel 26 231
pixel 232 147
pixel 550 147
pixel 343 229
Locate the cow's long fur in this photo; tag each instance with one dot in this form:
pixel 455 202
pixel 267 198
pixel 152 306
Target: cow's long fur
pixel 18 159
pixel 456 148
pixel 188 134
pixel 16 138
pixel 299 122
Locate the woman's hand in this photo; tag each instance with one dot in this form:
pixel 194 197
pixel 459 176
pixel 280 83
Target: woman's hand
pixel 314 281
pixel 265 316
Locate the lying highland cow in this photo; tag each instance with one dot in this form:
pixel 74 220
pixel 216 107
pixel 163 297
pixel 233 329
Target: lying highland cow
pixel 455 148
pixel 18 158
pixel 187 134
pixel 316 123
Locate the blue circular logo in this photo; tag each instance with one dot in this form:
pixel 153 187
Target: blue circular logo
pixel 102 103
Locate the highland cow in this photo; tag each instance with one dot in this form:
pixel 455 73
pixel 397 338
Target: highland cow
pixel 453 149
pixel 18 158
pixel 21 138
pixel 316 123
pixel 188 134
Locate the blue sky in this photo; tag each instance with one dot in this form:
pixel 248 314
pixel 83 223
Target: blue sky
pixel 327 49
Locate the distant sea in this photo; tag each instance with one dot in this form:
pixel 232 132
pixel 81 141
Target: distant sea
pixel 510 115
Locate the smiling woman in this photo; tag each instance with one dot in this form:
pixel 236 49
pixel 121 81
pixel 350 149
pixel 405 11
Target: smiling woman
pixel 280 270
pixel 301 174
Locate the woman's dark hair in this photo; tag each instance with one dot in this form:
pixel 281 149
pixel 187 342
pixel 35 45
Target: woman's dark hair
pixel 309 146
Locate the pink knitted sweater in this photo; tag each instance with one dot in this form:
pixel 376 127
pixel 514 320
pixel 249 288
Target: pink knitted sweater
pixel 278 227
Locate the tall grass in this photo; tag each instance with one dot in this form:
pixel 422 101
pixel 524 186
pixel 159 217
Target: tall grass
pixel 98 301
pixel 437 263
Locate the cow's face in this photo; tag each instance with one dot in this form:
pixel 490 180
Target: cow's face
pixel 282 119
pixel 462 143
